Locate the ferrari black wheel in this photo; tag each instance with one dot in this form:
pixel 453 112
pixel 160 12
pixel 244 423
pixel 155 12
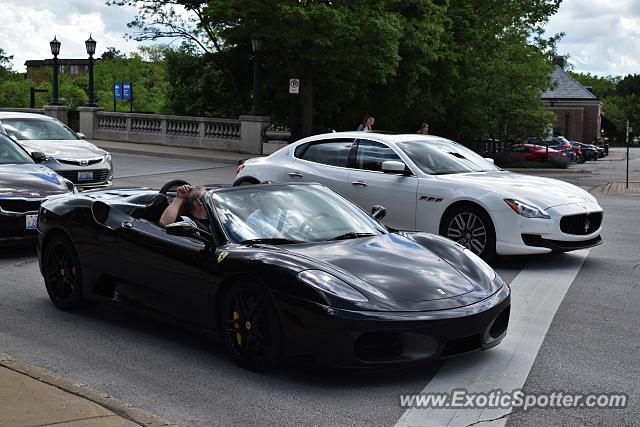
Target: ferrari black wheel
pixel 471 227
pixel 251 327
pixel 62 276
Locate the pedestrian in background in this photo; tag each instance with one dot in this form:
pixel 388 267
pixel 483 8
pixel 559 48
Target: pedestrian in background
pixel 424 129
pixel 367 124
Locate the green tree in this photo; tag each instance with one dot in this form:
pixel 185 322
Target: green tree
pixel 471 68
pixel 602 87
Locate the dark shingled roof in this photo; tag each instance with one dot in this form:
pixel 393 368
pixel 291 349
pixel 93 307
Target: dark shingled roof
pixel 567 87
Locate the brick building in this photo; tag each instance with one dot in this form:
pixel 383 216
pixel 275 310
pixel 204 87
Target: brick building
pixel 72 67
pixel 578 111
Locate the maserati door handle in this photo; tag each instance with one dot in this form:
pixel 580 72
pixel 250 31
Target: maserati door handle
pixel 127 224
pixel 295 175
pixel 359 183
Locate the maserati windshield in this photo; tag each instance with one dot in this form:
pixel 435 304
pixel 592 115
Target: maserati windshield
pixel 290 214
pixel 441 156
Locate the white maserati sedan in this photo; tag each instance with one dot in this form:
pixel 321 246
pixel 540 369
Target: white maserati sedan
pixel 66 152
pixel 432 184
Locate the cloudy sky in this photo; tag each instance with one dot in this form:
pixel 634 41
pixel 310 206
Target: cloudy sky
pixel 601 37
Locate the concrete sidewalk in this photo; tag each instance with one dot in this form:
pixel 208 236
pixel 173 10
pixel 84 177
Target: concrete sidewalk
pixel 185 153
pixel 31 396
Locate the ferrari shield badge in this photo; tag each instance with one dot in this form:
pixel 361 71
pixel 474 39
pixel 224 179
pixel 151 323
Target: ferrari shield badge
pixel 222 256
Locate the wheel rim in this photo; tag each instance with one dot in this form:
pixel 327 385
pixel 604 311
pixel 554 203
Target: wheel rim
pixel 247 325
pixel 61 272
pixel 468 229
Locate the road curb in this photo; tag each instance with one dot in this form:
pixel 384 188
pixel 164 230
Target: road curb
pixel 175 155
pixel 124 410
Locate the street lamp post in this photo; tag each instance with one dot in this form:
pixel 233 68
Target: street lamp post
pixel 90 44
pixel 55 50
pixel 256 46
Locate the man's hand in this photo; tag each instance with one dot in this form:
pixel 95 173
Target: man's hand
pixel 183 191
pixel 171 212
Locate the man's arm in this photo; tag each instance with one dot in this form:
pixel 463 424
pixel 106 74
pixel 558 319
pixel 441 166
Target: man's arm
pixel 171 212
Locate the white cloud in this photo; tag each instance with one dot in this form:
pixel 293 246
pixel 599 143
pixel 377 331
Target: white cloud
pixel 29 25
pixel 602 38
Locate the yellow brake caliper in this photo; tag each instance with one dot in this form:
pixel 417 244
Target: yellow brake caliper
pixel 236 325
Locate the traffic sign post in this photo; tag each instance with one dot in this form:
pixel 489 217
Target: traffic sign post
pixel 629 129
pixel 294 90
pixel 127 94
pixel 117 93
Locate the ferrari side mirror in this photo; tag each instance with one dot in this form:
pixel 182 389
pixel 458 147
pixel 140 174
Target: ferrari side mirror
pixel 378 212
pixel 187 229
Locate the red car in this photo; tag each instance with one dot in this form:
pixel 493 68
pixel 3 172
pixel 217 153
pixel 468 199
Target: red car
pixel 536 153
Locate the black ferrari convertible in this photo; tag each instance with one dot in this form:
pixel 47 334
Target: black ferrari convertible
pixel 282 271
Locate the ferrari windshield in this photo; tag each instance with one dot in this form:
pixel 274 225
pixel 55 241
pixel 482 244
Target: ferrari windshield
pixel 290 214
pixel 441 156
pixel 10 153
pixel 36 129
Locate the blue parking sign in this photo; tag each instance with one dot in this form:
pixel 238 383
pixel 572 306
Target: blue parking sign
pixel 117 90
pixel 126 90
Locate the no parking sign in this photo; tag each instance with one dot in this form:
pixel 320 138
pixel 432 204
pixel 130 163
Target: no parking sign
pixel 294 86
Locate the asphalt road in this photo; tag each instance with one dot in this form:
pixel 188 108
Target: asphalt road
pixel 592 344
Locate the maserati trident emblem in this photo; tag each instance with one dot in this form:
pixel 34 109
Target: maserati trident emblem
pixel 83 162
pixel 587 223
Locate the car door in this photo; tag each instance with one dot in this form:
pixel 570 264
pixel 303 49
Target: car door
pixel 369 186
pixel 171 274
pixel 323 161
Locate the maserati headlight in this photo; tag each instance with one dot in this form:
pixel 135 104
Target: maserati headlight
pixel 107 157
pixel 526 210
pixel 331 285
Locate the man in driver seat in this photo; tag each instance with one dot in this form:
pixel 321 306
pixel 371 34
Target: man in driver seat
pixel 189 206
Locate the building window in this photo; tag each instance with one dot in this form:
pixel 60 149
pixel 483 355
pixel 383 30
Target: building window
pixel 61 69
pixel 73 69
pixel 85 68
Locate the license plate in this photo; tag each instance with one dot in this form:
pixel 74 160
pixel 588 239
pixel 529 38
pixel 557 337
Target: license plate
pixel 31 222
pixel 85 176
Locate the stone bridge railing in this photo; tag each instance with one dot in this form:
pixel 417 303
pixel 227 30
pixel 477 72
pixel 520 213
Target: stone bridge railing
pixel 244 135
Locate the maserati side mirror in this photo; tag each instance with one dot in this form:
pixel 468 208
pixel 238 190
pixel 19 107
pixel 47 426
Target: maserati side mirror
pixel 393 166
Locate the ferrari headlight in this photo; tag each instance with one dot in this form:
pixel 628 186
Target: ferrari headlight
pixel 526 210
pixel 331 285
pixel 481 264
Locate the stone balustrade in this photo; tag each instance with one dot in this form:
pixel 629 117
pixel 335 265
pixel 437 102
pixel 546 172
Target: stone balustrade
pixel 244 135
